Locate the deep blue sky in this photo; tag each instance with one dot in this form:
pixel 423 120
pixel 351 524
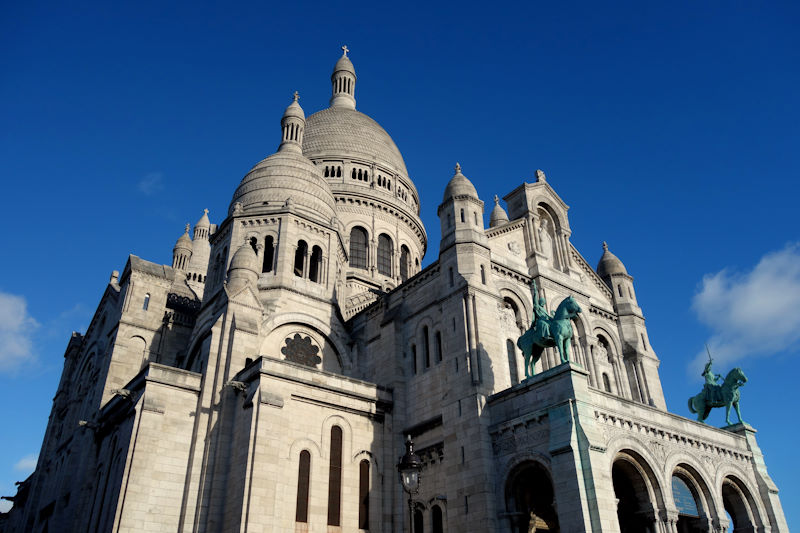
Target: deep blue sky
pixel 671 131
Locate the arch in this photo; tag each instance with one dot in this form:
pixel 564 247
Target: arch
pixel 358 247
pixel 300 258
pixel 311 324
pixel 146 302
pixel 363 494
pixel 385 253
pixel 530 498
pixel 138 347
pixel 437 521
pixel 740 505
pixel 637 491
pixel 315 265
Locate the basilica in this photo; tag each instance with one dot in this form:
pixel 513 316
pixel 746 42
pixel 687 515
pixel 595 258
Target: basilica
pixel 268 379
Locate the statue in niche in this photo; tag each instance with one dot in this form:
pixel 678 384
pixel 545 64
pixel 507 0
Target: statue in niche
pixel 602 353
pixel 545 240
pixel 301 350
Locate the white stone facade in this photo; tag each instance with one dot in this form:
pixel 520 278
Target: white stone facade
pixel 267 379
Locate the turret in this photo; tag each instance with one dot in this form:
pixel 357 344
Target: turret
pixel 244 268
pixel 201 250
pixel 613 272
pixel 499 215
pixel 182 252
pixel 461 212
pixel 292 125
pixel 343 81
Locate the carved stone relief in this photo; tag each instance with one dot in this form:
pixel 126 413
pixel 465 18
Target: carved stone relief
pixel 301 350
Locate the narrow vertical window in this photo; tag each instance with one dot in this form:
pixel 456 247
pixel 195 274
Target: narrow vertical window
pixel 644 342
pixel 606 383
pixel 419 524
pixel 363 495
pixel 335 478
pixel 512 361
pixel 254 244
pixel 462 215
pixel 269 254
pixel 316 263
pixel 475 217
pixel 483 275
pixel 426 347
pixel 385 252
pixel 403 262
pixel 619 290
pixel 437 524
pixel 438 347
pixel 146 303
pixel 358 248
pixel 414 357
pixel 303 475
pixel 300 258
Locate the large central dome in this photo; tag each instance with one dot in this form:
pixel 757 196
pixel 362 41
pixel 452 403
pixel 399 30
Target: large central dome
pixel 342 132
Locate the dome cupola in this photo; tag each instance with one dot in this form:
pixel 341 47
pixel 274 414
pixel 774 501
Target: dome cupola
pixel 243 268
pixel 499 215
pixel 182 252
pixel 609 264
pixel 459 185
pixel 343 81
pixel 286 178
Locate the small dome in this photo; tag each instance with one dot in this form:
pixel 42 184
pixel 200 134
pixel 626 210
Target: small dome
pixel 245 258
pixel 294 110
pixel 499 215
pixel 184 241
pixel 203 222
pixel 344 64
pixel 609 264
pixel 285 178
pixel 459 186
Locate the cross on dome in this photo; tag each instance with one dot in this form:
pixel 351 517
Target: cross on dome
pixel 296 96
pixel 345 50
pixel 458 168
pixel 187 227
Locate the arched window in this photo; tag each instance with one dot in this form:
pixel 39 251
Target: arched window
pixel 619 290
pixel 146 303
pixel 269 254
pixel 475 216
pixel 316 263
pixel 404 262
pixel 419 524
pixel 335 478
pixel 303 482
pixel 300 258
pixel 354 173
pixel 438 347
pixel 338 172
pixel 363 494
pixel 462 215
pixel 437 524
pixel 511 351
pixel 358 247
pixel 385 251
pixel 254 244
pixel 426 349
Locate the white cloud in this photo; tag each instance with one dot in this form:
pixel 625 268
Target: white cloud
pixel 5 506
pixel 26 465
pixel 752 314
pixel 16 332
pixel 151 183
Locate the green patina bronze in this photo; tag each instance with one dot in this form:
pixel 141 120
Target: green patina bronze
pixel 547 331
pixel 715 395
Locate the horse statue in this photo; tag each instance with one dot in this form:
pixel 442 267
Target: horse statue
pixel 547 331
pixel 713 395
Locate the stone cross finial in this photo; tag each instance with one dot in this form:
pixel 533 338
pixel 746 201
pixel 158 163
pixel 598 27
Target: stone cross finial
pixel 296 96
pixel 496 200
pixel 458 168
pixel 187 227
pixel 605 246
pixel 205 211
pixel 345 50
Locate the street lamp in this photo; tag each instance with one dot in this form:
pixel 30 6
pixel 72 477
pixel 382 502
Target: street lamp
pixel 409 467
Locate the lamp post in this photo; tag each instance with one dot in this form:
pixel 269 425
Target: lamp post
pixel 409 467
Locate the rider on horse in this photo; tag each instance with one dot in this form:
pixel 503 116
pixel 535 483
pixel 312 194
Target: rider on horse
pixel 711 388
pixel 541 318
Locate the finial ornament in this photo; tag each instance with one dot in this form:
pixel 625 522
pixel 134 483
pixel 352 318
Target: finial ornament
pixel 205 211
pixel 540 176
pixel 605 246
pixel 187 227
pixel 458 168
pixel 496 200
pixel 296 96
pixel 345 50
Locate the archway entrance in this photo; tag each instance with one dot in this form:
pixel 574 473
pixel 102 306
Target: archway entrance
pixel 530 499
pixel 634 507
pixel 687 505
pixel 735 501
